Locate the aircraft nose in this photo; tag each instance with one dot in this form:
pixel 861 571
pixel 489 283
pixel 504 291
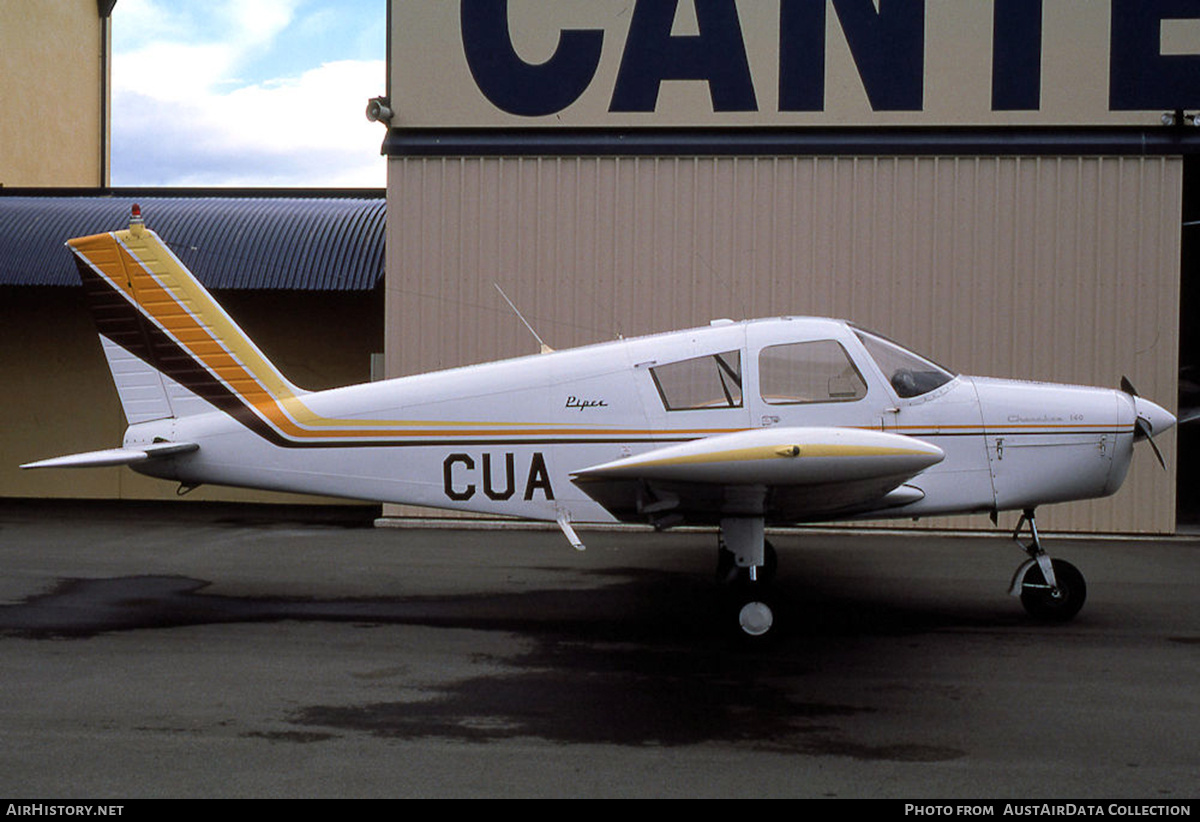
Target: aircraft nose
pixel 1156 418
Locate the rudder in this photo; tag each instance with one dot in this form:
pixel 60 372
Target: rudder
pixel 171 348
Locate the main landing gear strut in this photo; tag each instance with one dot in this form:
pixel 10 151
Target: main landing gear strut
pixel 746 564
pixel 1051 590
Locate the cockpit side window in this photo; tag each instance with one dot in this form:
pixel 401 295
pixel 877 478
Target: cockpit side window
pixel 713 381
pixel 807 372
pixel 909 374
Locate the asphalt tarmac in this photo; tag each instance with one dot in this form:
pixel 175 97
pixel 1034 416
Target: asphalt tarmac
pixel 192 651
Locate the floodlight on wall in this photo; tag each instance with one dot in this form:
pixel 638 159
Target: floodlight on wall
pixel 379 110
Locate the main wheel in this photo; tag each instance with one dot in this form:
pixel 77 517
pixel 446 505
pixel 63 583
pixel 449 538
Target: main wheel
pixel 751 613
pixel 1057 604
pixel 755 618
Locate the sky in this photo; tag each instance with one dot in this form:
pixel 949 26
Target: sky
pixel 247 93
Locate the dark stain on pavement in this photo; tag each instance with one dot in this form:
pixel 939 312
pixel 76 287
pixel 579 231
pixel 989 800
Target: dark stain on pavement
pixel 639 661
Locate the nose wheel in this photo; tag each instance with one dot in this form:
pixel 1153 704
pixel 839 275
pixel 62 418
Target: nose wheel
pixel 1051 590
pixel 1053 603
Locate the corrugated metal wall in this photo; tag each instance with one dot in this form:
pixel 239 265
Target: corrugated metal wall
pixel 332 243
pixel 60 398
pixel 297 272
pixel 1063 269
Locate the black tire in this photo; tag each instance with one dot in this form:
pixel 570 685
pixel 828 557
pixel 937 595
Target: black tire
pixel 1059 605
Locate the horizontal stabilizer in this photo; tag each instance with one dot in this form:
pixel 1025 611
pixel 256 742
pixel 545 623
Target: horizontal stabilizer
pixel 117 456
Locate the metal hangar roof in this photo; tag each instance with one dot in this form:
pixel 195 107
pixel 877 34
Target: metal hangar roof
pixel 310 241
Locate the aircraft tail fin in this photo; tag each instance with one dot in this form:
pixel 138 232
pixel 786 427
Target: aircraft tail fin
pixel 173 351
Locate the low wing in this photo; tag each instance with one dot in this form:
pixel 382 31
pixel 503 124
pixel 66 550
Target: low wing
pixel 117 456
pixel 782 474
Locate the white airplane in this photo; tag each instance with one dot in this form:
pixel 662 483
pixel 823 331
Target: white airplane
pixel 737 425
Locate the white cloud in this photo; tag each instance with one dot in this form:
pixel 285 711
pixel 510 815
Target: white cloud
pixel 174 72
pixel 182 116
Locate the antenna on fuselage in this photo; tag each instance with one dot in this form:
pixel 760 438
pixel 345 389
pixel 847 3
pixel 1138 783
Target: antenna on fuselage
pixel 724 283
pixel 545 349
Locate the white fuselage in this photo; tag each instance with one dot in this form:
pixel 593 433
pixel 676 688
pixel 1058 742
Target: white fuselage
pixel 506 438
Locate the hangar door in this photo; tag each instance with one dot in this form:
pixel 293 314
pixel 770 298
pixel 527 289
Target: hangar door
pixel 1047 268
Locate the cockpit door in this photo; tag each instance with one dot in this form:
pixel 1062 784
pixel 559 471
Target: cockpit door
pixel 807 382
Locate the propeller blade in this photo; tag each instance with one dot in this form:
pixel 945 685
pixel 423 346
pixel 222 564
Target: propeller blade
pixel 1144 430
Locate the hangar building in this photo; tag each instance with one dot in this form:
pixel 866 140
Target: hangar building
pixel 1000 184
pixel 301 272
pixel 55 87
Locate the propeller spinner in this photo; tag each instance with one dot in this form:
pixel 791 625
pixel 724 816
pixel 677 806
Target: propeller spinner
pixel 1150 419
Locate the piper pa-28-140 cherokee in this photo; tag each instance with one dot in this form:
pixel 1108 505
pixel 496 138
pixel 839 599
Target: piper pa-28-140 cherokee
pixel 737 425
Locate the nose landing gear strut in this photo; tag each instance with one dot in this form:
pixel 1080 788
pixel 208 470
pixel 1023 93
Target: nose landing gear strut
pixel 1051 590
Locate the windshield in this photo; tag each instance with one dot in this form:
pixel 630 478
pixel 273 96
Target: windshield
pixel 909 374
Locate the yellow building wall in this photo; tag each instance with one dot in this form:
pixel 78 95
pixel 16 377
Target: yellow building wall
pixel 59 396
pixel 52 66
